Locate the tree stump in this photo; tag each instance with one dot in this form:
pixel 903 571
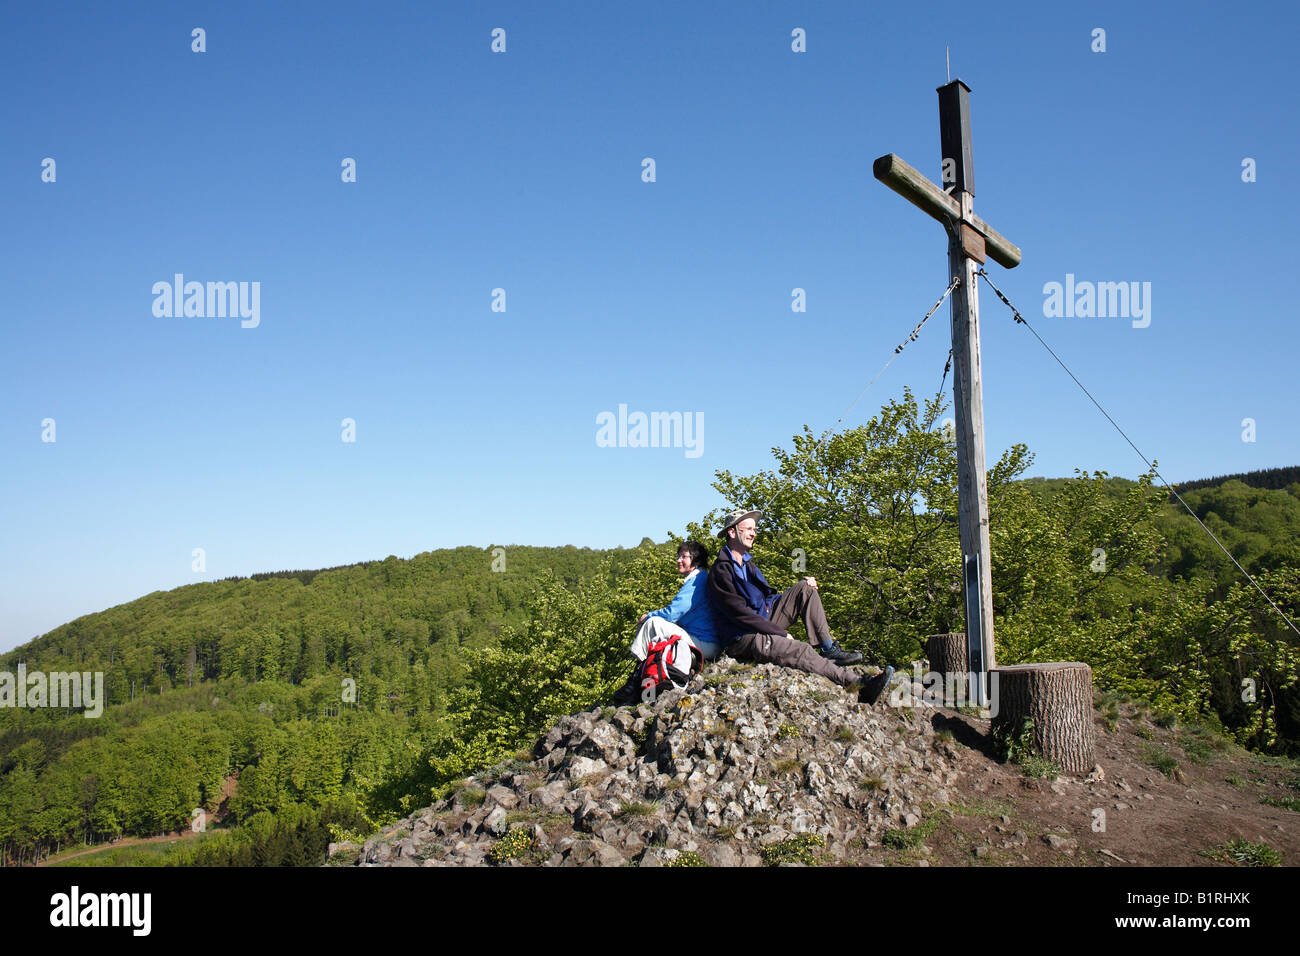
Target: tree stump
pixel 1057 697
pixel 947 653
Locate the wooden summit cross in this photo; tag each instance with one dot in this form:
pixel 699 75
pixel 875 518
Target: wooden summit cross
pixel 1056 697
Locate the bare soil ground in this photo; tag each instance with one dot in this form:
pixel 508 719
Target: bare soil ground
pixel 1209 792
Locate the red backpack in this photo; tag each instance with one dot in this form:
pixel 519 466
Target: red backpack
pixel 661 672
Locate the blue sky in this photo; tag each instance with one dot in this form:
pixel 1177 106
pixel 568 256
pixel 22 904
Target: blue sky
pixel 522 171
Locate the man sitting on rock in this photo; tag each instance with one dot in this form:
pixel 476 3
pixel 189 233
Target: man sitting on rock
pixel 689 616
pixel 753 618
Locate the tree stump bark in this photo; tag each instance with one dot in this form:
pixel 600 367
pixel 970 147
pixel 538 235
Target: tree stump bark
pixel 947 653
pixel 1057 697
pixel 948 659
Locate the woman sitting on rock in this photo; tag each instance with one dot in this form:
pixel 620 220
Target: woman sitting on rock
pixel 689 616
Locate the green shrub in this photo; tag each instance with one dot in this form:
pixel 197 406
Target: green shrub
pixel 799 849
pixel 515 844
pixel 687 858
pixel 1013 743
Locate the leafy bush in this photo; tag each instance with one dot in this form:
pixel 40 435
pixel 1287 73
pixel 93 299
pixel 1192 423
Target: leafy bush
pixel 800 849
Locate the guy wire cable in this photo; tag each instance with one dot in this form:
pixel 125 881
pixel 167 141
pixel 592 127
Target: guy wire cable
pixel 1015 314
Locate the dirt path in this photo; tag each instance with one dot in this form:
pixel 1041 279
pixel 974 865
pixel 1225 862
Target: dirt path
pixel 123 842
pixel 1165 797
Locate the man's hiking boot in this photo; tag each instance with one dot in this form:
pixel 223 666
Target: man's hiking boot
pixel 875 686
pixel 838 655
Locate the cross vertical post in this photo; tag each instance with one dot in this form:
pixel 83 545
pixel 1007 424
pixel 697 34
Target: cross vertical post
pixel 965 254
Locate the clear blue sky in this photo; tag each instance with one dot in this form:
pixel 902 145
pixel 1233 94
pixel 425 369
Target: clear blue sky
pixel 523 171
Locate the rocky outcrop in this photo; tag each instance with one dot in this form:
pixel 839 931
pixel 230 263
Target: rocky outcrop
pixel 752 765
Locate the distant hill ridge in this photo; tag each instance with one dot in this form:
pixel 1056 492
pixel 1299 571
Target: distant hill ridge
pixel 1274 479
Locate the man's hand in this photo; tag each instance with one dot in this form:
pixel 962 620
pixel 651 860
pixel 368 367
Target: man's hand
pixel 812 582
pixel 641 620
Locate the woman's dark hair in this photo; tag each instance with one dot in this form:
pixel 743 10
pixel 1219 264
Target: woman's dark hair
pixel 698 552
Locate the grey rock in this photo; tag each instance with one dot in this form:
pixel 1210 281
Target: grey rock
pixel 502 797
pixel 495 822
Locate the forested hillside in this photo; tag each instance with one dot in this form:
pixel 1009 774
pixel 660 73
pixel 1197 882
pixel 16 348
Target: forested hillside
pixel 307 685
pixel 302 704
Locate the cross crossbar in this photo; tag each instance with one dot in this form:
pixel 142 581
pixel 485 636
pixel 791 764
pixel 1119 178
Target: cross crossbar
pixel 908 182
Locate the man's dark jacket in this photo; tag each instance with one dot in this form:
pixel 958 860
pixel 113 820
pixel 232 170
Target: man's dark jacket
pixel 732 615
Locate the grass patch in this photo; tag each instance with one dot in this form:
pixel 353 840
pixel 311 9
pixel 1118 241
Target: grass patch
pixel 1146 733
pixel 944 737
pixel 1167 719
pixel 801 849
pixel 721 728
pixel 522 816
pixel 1244 853
pixel 1286 803
pixel 139 854
pixel 1109 712
pixel 472 796
pixel 1197 749
pixel 1039 768
pixel 786 765
pixel 726 832
pixel 906 839
pixel 515 764
pixel 1161 760
pixel 873 783
pixel 843 733
pixel 638 808
pixel 1235 781
pixel 819 696
pixel 981 808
